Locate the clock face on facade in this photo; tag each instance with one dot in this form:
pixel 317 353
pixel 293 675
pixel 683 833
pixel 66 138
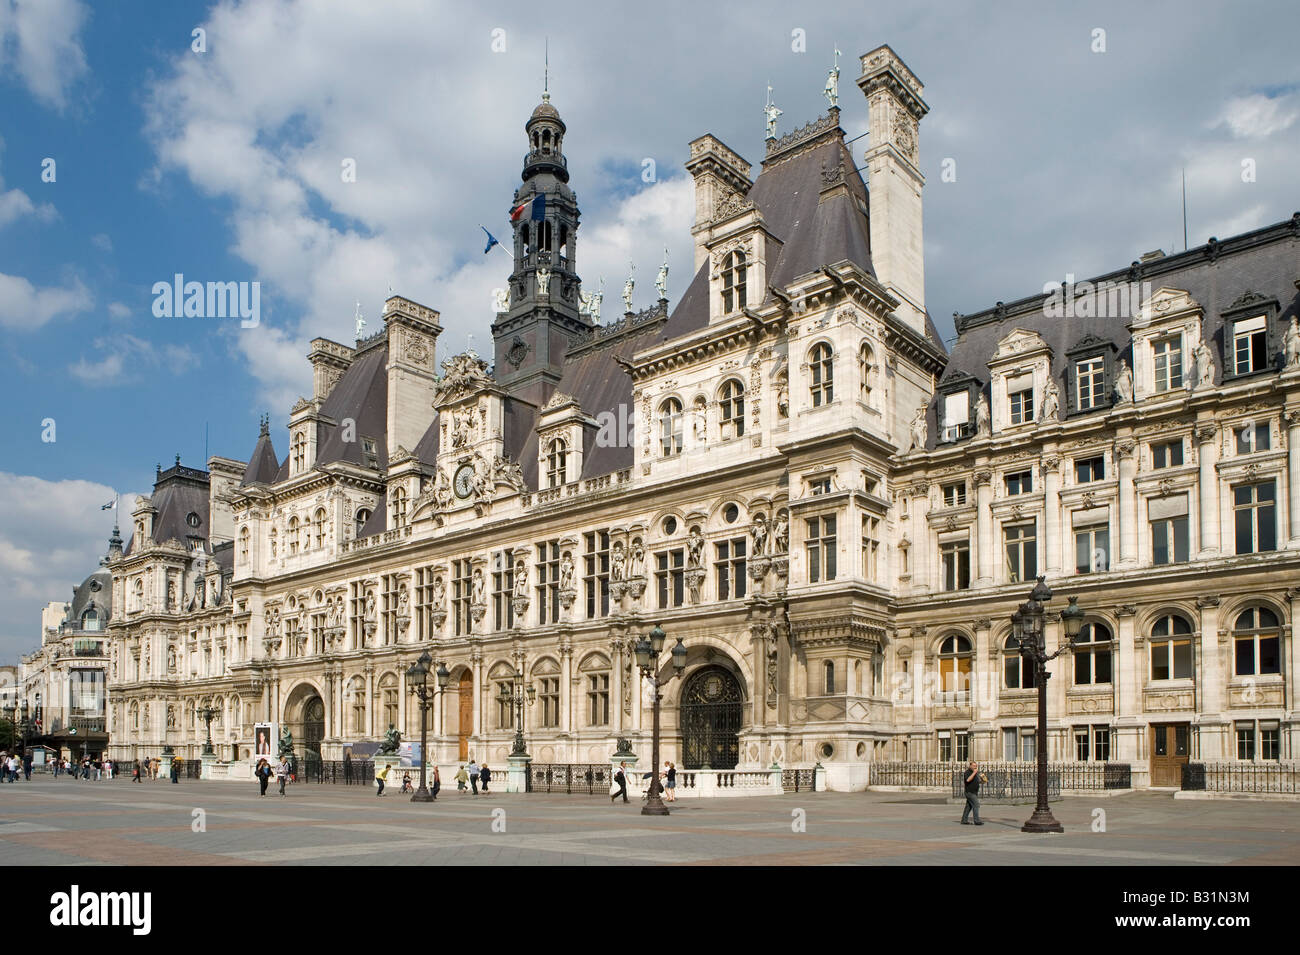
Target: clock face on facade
pixel 464 480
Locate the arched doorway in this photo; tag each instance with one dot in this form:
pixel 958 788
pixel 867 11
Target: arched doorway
pixel 304 717
pixel 711 707
pixel 465 716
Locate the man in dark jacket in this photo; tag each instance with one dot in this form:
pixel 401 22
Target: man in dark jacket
pixel 485 774
pixel 973 779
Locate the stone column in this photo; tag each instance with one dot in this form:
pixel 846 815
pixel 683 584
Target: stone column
pixel 1291 417
pixel 758 638
pixel 1207 490
pixel 616 686
pixel 401 700
pixel 476 665
pixel 984 528
pixel 566 685
pixel 370 700
pixel 1051 471
pixel 1126 451
pixel 1128 679
pixel 1291 654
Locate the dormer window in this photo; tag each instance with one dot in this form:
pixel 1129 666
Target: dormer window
pixel 821 369
pixel 90 620
pixel 293 535
pixel 363 515
pixel 1020 399
pixel 731 405
pixel 670 427
pixel 399 514
pixel 1090 383
pixel 734 290
pixel 1250 345
pixel 557 463
pixel 1167 358
pixel 299 452
pixel 369 454
pixel 956 415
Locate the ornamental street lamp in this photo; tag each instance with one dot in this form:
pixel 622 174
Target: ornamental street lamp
pixel 417 683
pixel 647 652
pixel 11 714
pixel 208 714
pixel 1027 627
pixel 515 694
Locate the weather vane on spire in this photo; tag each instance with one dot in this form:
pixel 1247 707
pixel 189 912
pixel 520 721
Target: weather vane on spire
pixel 832 89
pixel 546 73
pixel 772 113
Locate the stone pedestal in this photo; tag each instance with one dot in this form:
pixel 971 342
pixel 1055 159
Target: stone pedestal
pixel 207 765
pixel 517 774
pixel 394 764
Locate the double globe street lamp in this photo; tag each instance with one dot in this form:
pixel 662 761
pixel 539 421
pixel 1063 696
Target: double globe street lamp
pixel 417 682
pixel 647 651
pixel 1027 628
pixel 515 694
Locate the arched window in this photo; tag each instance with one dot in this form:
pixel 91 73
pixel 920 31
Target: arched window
pixel 829 667
pixel 1256 640
pixel 731 405
pixel 90 620
pixel 318 524
pixel 557 454
pixel 355 694
pixel 135 715
pixel 733 282
pixel 857 678
pixel 866 373
pixel 821 369
pixel 1017 671
pixel 955 665
pixel 293 535
pixel 595 673
pixel 398 500
pixel 670 427
pixel 363 515
pixel 299 452
pixel 544 237
pixel 388 696
pixel 243 546
pixel 1092 655
pixel 1171 648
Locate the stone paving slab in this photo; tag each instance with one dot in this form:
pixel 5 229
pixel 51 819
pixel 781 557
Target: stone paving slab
pixel 59 822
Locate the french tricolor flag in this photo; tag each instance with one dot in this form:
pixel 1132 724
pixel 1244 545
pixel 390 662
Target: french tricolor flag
pixel 534 208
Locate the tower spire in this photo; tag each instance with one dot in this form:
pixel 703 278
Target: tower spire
pixel 546 74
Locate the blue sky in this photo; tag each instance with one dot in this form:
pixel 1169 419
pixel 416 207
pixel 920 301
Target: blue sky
pixel 224 165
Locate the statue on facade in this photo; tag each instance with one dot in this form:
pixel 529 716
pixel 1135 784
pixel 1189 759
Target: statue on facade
pixel 403 602
pixel 439 593
pixel 699 421
pixel 783 395
pixel 543 283
pixel 171 595
pixel 361 322
pixel 617 562
pixel 832 89
pixel 566 572
pixel 1291 344
pixel 1051 401
pixel 636 560
pixel 521 579
pixel 171 658
pixel 370 605
pixel 983 419
pixel 1123 382
pixel 627 288
pixel 758 532
pixel 478 588
pixel 501 300
pixel 442 492
pixel 481 483
pixel 771 112
pixel 1204 365
pixel 661 282
pixel 392 742
pixel 695 549
pixel 920 430
pixel 781 533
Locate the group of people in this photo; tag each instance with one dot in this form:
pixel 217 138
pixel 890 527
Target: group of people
pixel 11 766
pixel 434 782
pixel 264 772
pixel 470 775
pixel 668 775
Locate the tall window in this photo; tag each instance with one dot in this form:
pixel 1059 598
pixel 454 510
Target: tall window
pixel 389 596
pixel 1250 345
pixel 503 589
pixel 729 568
pixel 1254 517
pixel 292 535
pixel 243 546
pixel 1256 642
pixel 953 746
pixel 871 547
pixel 731 406
pixel 318 522
pixel 956 415
pixel 819 543
pixel 829 667
pixel 388 696
pixel 557 454
pixel 363 515
pixel 1169 539
pixel 424 577
pixel 548 693
pixel 1167 454
pixel 548 582
pixel 1171 649
pixel 1168 355
pixel 461 596
pixel 1022 405
pixel 670 427
pixel 1022 553
pixel 955 666
pixel 397 497
pixel 821 368
pixel 1092 743
pixel 505 701
pixel 1017 671
pixel 866 372
pixel 1092 655
pixel 299 452
pixel 954 557
pixel 1090 383
pixel 733 282
pixel 598 699
pixel 596 577
pixel 670 577
pixel 1091 549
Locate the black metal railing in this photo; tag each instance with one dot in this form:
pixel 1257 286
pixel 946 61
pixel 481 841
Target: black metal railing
pixel 581 778
pixel 1006 780
pixel 1242 777
pixel 193 769
pixel 799 780
pixel 348 772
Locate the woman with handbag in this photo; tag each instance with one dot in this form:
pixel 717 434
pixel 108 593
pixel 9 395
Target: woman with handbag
pixel 263 774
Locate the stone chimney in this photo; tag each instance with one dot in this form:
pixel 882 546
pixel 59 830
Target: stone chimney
pixel 720 173
pixel 329 360
pixel 413 331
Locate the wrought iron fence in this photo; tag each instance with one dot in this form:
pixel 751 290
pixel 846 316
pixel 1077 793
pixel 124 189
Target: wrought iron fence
pixel 193 769
pixel 798 780
pixel 348 772
pixel 582 778
pixel 1006 780
pixel 1242 777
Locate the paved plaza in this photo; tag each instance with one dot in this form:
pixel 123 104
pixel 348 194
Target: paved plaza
pixel 60 822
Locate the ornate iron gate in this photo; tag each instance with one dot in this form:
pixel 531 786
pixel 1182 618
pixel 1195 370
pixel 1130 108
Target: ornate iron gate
pixel 711 710
pixel 587 778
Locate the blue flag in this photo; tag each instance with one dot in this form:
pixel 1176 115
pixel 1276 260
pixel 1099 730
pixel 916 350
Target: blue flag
pixel 492 240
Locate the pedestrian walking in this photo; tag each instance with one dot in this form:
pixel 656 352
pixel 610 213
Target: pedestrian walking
pixel 462 781
pixel 135 774
pixel 176 770
pixel 263 773
pixel 282 772
pixel 670 782
pixel 437 783
pixel 473 771
pixel 381 777
pixel 58 767
pixel 620 783
pixel 27 766
pixel 98 767
pixel 486 775
pixel 108 769
pixel 973 779
pixel 85 768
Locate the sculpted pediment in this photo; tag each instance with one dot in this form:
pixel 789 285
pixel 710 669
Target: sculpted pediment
pixel 1019 343
pixel 1165 303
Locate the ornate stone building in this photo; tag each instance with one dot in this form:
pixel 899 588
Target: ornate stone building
pixel 787 471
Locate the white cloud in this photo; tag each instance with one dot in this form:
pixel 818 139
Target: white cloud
pixel 102 241
pixel 122 359
pixel 15 204
pixel 119 310
pixel 23 305
pixel 52 538
pixel 39 41
pixel 1250 117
